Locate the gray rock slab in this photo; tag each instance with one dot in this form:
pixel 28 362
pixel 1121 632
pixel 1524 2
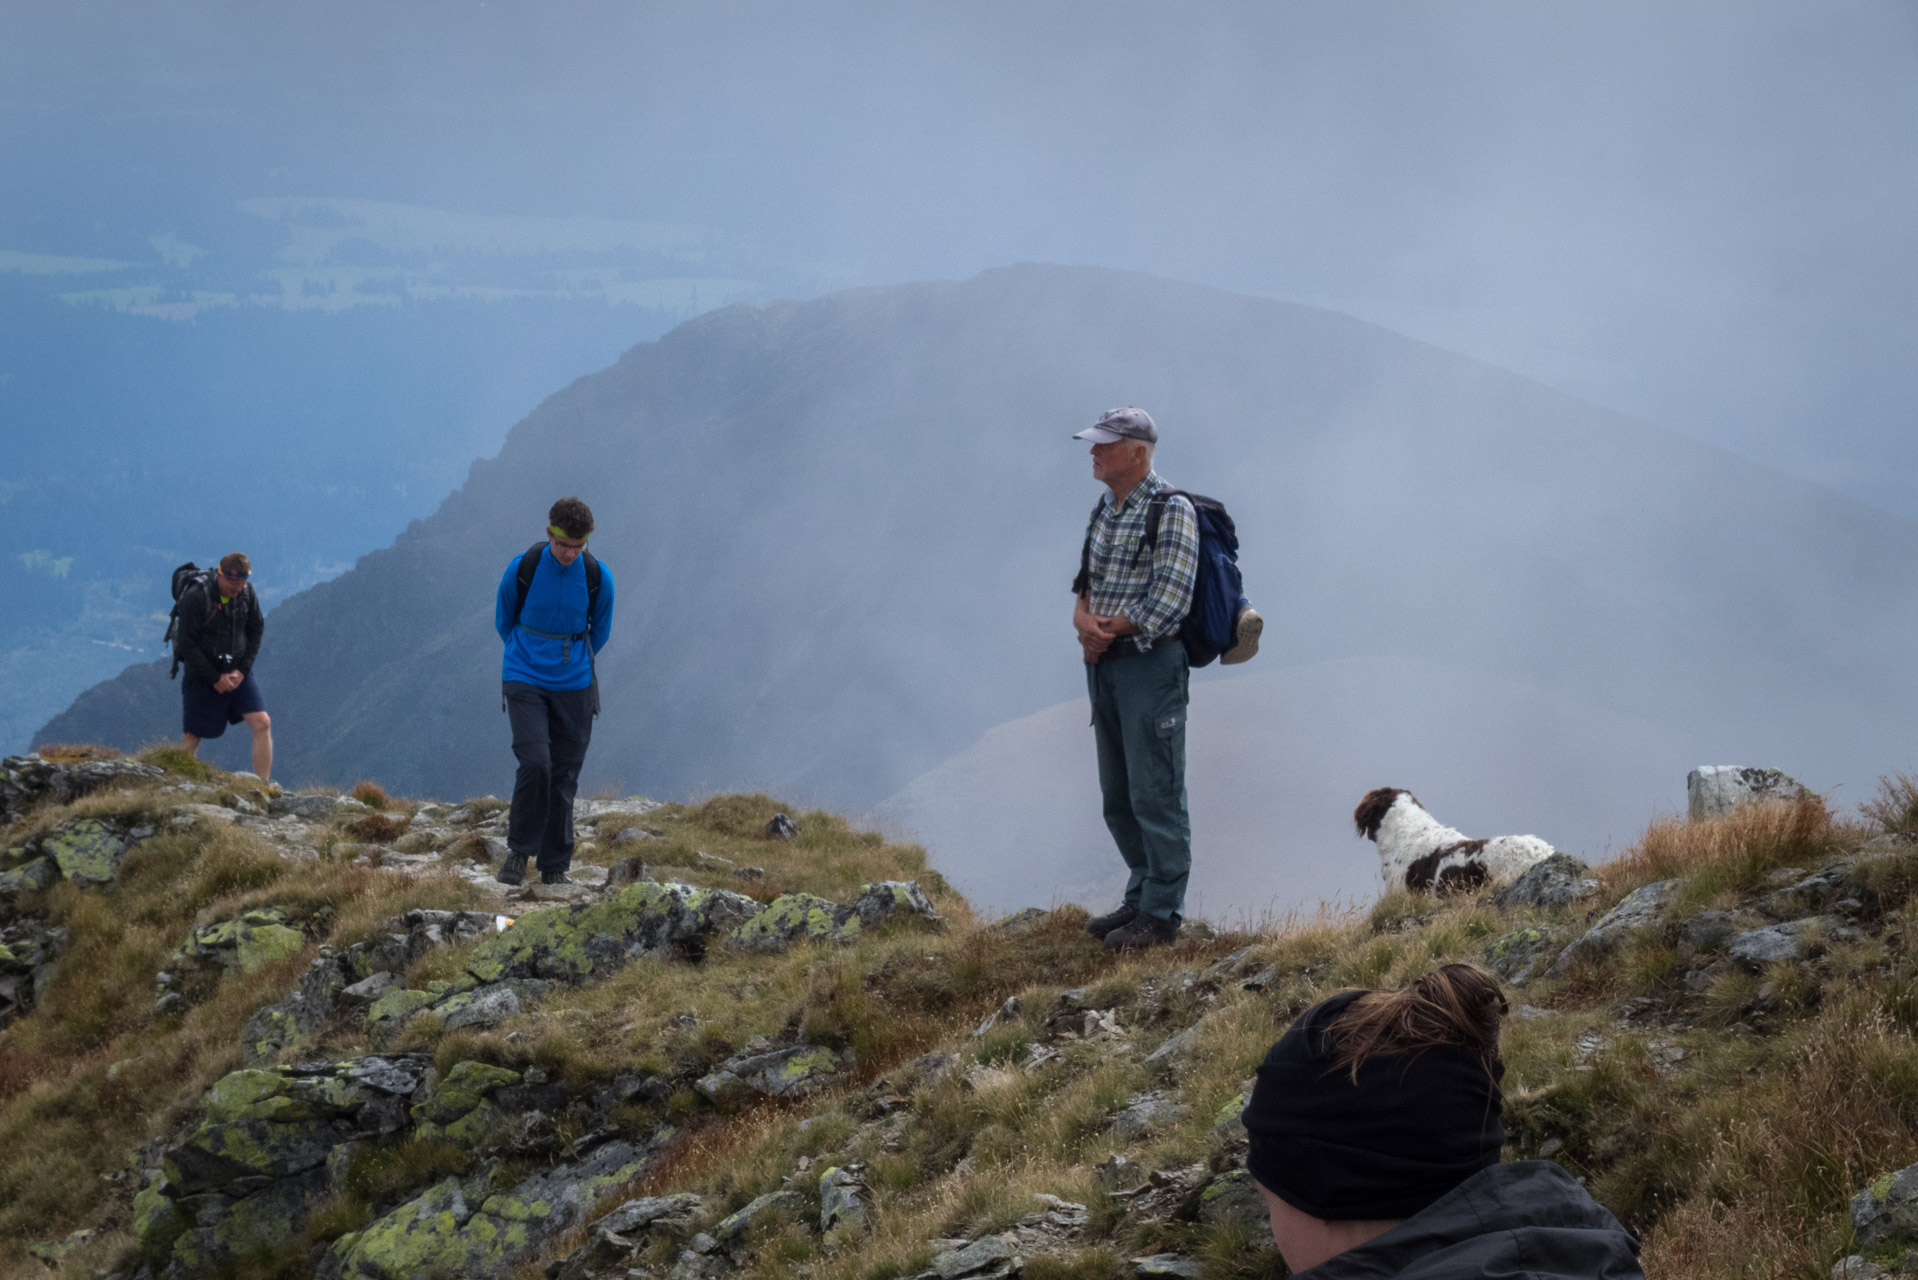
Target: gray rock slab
pixel 1554 882
pixel 1777 943
pixel 1639 909
pixel 1713 790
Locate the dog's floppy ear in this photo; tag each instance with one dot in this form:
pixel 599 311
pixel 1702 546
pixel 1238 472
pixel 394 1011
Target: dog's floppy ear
pixel 1372 810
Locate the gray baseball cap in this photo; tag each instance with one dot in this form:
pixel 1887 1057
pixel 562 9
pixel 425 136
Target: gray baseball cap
pixel 1121 424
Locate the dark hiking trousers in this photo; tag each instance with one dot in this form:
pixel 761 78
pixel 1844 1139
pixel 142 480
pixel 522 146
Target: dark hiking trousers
pixel 1138 720
pixel 551 728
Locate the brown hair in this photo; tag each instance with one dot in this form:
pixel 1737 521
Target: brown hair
pixel 1455 1004
pixel 234 564
pixel 571 515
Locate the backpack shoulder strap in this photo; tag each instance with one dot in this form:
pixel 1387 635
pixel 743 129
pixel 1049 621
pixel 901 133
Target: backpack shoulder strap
pixel 523 580
pixel 1083 582
pixel 1155 510
pixel 594 574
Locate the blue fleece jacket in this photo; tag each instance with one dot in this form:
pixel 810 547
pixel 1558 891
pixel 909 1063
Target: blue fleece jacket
pixel 555 604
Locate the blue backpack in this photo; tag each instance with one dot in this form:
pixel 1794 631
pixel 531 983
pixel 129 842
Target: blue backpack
pixel 1218 590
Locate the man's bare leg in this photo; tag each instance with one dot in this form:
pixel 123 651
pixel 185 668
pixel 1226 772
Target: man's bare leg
pixel 262 726
pixel 191 743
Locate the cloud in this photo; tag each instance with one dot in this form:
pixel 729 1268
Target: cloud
pixel 174 251
pixel 47 264
pixel 320 226
pixel 47 562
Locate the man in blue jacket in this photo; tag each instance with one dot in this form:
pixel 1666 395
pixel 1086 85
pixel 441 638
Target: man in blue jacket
pixel 553 618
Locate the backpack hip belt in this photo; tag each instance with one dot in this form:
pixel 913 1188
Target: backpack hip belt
pixel 566 654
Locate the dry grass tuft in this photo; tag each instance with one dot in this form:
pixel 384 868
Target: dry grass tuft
pixel 380 828
pixel 370 794
pixel 1739 849
pixel 1895 808
pixel 75 752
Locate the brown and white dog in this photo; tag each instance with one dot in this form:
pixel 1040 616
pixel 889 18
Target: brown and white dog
pixel 1420 853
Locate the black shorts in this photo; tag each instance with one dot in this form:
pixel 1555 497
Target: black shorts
pixel 208 712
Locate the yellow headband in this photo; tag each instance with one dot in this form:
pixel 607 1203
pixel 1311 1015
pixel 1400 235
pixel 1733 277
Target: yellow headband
pixel 564 536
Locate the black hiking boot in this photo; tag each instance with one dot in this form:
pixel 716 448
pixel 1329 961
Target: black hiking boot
pixel 513 870
pixel 552 877
pixel 1144 931
pixel 1100 926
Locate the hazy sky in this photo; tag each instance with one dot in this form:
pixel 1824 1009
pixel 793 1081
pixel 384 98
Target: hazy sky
pixel 1700 213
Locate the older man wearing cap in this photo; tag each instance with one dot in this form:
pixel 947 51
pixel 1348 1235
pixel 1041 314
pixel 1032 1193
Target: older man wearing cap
pixel 1128 602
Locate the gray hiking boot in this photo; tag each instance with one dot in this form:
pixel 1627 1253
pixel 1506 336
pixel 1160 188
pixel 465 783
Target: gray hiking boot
pixel 1245 637
pixel 513 870
pixel 1144 931
pixel 1100 926
pixel 552 877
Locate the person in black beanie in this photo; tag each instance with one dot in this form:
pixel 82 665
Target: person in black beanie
pixel 1375 1136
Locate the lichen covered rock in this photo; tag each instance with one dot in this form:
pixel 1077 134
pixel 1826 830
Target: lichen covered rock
pixel 783 1073
pixel 88 850
pixel 443 1232
pixel 569 944
pixel 1522 955
pixel 248 1175
pixel 1640 909
pixel 794 917
pixel 1887 1210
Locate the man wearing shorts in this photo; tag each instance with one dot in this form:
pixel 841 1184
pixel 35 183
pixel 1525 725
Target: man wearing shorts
pixel 219 637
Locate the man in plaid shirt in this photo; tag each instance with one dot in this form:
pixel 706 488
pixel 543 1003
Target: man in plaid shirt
pixel 1128 604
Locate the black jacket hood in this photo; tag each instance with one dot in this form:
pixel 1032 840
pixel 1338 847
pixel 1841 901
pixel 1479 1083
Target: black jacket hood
pixel 1529 1220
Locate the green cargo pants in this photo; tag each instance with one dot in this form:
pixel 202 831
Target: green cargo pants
pixel 1138 720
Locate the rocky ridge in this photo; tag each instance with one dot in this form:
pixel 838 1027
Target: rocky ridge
pixel 1053 1113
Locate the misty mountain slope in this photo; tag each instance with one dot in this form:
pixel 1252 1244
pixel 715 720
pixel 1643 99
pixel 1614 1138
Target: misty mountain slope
pixel 842 529
pixel 1276 763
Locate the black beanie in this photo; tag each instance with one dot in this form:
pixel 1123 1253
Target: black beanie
pixel 1414 1126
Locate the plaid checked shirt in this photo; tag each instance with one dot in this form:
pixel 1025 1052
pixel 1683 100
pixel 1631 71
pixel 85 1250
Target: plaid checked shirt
pixel 1153 591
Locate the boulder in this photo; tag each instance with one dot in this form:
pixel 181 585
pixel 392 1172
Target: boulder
pixel 482 1007
pixel 568 944
pixel 1881 871
pixel 614 1238
pixel 1146 1113
pixel 1232 1200
pixel 37 874
pixel 731 1230
pixel 305 808
pixel 1713 790
pixel 1522 955
pixel 1642 908
pixel 781 827
pixel 1554 882
pixel 246 942
pixel 1169 1264
pixel 458 1229
pixel 842 1199
pixel 1020 922
pixel 1779 943
pixel 1706 931
pixel 782 1073
pixel 460 1106
pixel 989 1256
pixel 88 850
pixel 26 781
pixel 249 1174
pixel 1887 1210
pixel 794 917
pixel 891 900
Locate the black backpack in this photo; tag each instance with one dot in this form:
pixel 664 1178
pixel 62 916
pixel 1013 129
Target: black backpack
pixel 187 575
pixel 523 583
pixel 1218 591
